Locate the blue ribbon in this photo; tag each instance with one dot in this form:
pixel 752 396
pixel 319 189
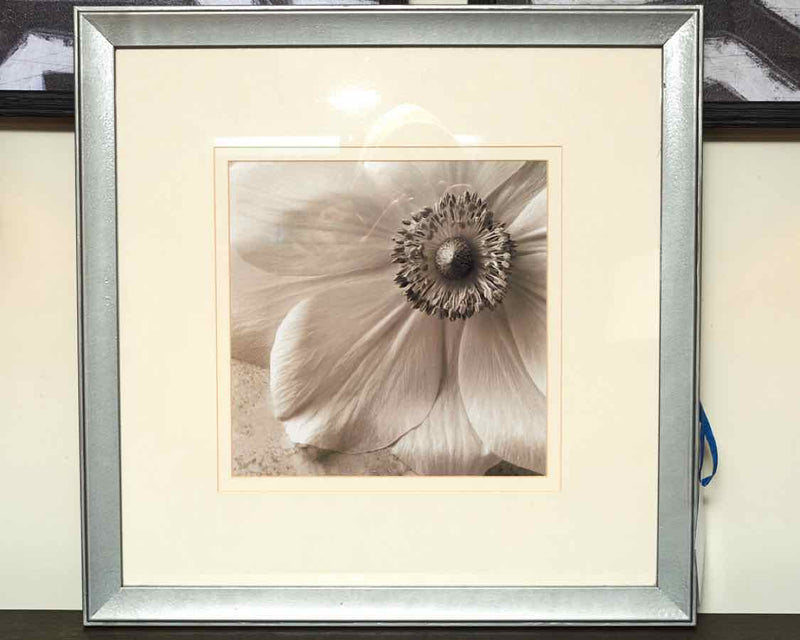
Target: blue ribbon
pixel 707 436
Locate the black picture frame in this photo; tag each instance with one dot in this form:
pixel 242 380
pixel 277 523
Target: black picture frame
pixel 37 104
pixel 751 115
pixel 716 114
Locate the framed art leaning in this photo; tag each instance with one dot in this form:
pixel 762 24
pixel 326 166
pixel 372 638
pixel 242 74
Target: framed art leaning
pixel 389 314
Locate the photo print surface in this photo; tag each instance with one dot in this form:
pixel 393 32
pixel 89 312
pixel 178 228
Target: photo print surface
pixel 388 318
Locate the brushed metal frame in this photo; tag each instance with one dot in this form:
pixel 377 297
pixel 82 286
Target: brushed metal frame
pixel 677 31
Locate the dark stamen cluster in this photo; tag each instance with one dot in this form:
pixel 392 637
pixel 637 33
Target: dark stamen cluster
pixel 454 260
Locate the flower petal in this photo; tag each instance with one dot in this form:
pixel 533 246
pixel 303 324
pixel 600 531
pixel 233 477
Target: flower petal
pixel 355 367
pixel 258 304
pixel 510 198
pixel 530 226
pixel 446 443
pixel 305 218
pixel 526 302
pixel 260 301
pixel 410 186
pixel 423 183
pixel 483 177
pixel 526 309
pixel 261 447
pixel 506 409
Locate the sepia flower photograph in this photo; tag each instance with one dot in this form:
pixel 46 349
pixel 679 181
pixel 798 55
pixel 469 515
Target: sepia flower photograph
pixel 388 318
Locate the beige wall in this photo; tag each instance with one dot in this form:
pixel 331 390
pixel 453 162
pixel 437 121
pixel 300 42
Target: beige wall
pixel 751 311
pixel 39 504
pixel 750 347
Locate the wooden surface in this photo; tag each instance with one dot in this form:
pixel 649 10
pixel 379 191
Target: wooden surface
pixel 67 625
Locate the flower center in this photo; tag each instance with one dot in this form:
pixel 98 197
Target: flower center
pixel 453 259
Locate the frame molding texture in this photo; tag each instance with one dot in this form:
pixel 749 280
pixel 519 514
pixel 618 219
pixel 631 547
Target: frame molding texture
pixel 677 31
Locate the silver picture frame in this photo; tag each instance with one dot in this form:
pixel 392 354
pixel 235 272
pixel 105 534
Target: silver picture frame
pixel 676 31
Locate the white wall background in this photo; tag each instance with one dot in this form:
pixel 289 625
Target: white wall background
pixel 750 349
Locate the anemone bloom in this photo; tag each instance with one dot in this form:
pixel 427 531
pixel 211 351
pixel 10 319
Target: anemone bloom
pixel 397 304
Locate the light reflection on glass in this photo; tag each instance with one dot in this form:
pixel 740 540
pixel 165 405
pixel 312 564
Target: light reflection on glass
pixel 355 99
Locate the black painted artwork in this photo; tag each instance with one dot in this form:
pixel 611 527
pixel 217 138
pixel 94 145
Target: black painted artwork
pixel 36 43
pixel 752 50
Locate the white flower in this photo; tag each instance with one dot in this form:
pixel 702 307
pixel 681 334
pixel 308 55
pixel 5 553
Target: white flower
pixel 397 304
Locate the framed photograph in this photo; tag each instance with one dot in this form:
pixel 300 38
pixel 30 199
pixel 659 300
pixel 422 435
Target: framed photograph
pixel 752 59
pixel 375 332
pixel 36 48
pixel 406 347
